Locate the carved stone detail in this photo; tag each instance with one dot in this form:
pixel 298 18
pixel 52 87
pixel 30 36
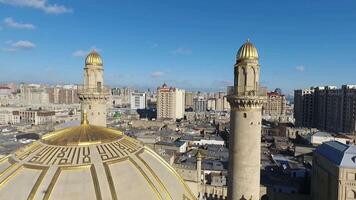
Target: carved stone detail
pixel 246 102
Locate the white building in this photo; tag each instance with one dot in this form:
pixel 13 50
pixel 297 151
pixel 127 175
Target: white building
pixel 34 117
pixel 320 137
pixel 6 117
pixel 138 100
pixel 200 104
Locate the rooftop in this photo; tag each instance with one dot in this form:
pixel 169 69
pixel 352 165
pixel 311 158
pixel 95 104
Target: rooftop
pixel 338 153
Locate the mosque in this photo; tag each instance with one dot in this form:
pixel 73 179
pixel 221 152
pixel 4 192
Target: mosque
pixel 91 161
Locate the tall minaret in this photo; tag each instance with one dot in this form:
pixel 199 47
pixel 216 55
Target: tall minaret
pixel 245 121
pixel 93 95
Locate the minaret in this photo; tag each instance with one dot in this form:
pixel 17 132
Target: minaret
pixel 93 95
pixel 245 121
pixel 199 159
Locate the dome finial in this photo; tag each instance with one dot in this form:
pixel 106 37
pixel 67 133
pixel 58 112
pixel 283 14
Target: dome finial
pixel 85 118
pixel 248 40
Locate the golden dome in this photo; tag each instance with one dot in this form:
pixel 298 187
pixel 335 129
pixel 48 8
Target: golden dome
pixel 93 58
pixel 89 162
pixel 247 51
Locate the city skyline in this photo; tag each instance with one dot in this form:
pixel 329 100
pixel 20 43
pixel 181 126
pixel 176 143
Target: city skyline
pixel 190 45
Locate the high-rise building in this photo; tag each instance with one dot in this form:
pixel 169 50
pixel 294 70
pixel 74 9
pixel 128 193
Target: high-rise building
pixel 120 97
pixel 275 105
pixel 200 104
pixel 170 102
pixel 33 94
pixel 211 104
pixel 326 108
pixel 246 116
pixel 189 100
pixel 93 95
pixel 66 94
pixel 138 100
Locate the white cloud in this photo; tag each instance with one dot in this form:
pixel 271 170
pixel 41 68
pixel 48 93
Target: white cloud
pixel 39 4
pixel 80 53
pixel 182 51
pixel 157 74
pixel 300 68
pixel 83 53
pixel 23 44
pixel 19 45
pixel 9 22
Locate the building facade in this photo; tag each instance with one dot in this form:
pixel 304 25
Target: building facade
pixel 138 100
pixel 63 94
pixel 275 105
pixel 35 117
pixel 170 102
pixel 334 172
pixel 245 137
pixel 326 108
pixel 189 100
pixel 200 104
pixel 33 94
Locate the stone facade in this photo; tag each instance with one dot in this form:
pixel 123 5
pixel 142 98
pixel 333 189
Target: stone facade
pixel 334 172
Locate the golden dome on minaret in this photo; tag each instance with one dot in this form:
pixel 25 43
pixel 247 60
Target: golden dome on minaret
pixel 247 51
pixel 94 58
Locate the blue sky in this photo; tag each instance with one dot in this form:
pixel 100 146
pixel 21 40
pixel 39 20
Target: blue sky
pixel 187 43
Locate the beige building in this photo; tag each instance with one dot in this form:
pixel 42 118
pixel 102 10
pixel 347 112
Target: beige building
pixel 246 116
pixel 334 172
pixel 275 105
pixel 93 94
pixel 326 108
pixel 170 102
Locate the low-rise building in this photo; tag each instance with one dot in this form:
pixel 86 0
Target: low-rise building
pixel 320 137
pixel 334 172
pixel 34 117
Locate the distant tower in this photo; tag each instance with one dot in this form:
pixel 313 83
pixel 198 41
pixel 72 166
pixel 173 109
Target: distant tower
pixel 93 95
pixel 245 137
pixel 199 159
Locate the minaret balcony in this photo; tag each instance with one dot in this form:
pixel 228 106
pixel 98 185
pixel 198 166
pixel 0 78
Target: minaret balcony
pixel 88 90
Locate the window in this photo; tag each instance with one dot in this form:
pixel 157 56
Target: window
pixel 245 115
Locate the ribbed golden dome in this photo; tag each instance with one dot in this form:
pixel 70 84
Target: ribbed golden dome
pixel 89 162
pixel 247 51
pixel 93 58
